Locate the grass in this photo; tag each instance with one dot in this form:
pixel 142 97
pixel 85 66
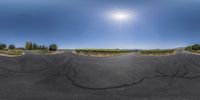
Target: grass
pixel 103 52
pixel 157 52
pixel 11 52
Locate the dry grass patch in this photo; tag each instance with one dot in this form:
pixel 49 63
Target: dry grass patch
pixel 13 52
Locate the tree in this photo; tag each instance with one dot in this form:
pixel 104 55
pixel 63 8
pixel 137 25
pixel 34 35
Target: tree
pixel 34 46
pixel 46 48
pixel 28 46
pixel 11 46
pixel 196 47
pixel 43 47
pixel 40 47
pixel 2 46
pixel 53 47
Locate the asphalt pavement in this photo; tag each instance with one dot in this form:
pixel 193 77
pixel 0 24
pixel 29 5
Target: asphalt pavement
pixel 69 76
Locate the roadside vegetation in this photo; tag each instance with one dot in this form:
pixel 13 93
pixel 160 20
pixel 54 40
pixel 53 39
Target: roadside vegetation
pixel 103 52
pixel 193 48
pixel 12 50
pixel 34 46
pixel 110 52
pixel 40 49
pixel 158 52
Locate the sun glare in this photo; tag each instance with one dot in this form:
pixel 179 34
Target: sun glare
pixel 122 16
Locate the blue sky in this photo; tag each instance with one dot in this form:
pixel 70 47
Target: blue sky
pixel 86 24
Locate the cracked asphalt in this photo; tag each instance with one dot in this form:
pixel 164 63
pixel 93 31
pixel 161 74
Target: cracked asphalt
pixel 125 77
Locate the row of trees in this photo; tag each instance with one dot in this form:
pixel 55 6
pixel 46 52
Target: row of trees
pixel 34 46
pixel 3 46
pixel 30 46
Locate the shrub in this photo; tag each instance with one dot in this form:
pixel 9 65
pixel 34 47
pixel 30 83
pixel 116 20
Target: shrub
pixel 53 47
pixel 11 46
pixel 194 47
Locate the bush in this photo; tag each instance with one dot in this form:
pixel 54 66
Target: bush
pixel 53 47
pixel 11 46
pixel 194 47
pixel 2 46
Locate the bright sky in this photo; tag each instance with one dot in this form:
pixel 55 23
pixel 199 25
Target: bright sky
pixel 130 24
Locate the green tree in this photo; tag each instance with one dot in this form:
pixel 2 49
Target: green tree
pixel 12 46
pixel 34 46
pixel 53 47
pixel 43 47
pixel 29 46
pixel 196 47
pixel 40 47
pixel 2 46
pixel 46 48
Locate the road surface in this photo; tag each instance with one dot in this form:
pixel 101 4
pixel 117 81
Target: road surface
pixel 126 77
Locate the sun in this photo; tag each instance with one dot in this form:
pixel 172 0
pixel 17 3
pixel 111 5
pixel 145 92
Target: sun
pixel 121 16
